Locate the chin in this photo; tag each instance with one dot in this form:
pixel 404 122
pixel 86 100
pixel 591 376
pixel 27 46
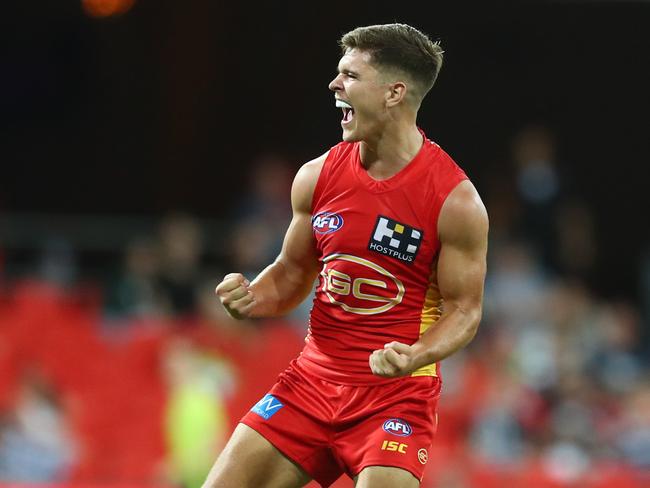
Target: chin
pixel 350 136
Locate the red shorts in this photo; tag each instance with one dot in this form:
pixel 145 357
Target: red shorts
pixel 329 429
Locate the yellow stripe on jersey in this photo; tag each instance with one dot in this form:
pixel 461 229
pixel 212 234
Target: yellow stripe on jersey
pixel 431 312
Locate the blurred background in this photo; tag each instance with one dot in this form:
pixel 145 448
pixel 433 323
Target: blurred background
pixel 147 148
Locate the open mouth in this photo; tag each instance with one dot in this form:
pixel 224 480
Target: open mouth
pixel 348 111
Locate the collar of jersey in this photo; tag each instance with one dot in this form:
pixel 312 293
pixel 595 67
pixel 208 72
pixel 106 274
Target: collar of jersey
pixel 395 181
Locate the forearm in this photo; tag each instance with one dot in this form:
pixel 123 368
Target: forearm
pixel 453 331
pixel 280 288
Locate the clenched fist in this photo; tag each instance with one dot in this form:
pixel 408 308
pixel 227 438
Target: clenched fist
pixel 235 296
pixel 395 359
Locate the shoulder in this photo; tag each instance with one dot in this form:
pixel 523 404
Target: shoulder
pixel 442 174
pixel 307 176
pixel 463 217
pixel 445 165
pixel 305 181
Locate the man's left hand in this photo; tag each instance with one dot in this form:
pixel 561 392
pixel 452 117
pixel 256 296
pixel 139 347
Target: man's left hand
pixel 394 360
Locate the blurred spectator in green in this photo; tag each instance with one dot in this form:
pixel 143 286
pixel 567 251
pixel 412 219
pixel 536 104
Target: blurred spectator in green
pixel 196 422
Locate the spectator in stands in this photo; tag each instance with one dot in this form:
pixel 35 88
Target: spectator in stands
pixel 35 444
pixel 135 293
pixel 539 186
pixel 196 420
pixel 267 200
pixel 251 245
pixel 575 248
pixel 515 286
pixel 633 437
pixel 270 180
pixel 617 364
pixel 181 241
pixel 57 262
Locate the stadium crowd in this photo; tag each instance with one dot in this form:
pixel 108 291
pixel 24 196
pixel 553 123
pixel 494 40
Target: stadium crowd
pixel 139 378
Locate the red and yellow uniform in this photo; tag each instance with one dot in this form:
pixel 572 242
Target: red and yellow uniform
pixel 378 244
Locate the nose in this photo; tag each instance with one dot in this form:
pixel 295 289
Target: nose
pixel 335 84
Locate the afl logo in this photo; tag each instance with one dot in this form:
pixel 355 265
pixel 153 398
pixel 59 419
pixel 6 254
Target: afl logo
pixel 398 427
pixel 326 222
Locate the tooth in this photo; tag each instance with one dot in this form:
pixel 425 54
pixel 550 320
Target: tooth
pixel 342 104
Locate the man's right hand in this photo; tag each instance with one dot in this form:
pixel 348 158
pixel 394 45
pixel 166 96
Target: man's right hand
pixel 235 296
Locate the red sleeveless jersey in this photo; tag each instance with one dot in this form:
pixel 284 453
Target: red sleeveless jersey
pixel 378 246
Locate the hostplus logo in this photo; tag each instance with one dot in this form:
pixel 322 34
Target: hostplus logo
pixel 395 239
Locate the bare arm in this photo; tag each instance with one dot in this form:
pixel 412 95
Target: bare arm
pixel 289 279
pixel 461 267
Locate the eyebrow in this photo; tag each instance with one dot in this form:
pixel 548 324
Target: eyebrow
pixel 347 71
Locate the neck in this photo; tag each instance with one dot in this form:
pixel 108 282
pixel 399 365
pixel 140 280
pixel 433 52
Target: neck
pixel 391 151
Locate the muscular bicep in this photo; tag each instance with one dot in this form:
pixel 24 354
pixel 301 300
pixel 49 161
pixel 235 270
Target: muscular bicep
pixel 298 253
pixel 461 268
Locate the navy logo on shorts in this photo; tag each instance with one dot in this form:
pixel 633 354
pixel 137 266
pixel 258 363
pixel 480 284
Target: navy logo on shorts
pixel 267 407
pixel 398 427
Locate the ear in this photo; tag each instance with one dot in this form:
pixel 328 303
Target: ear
pixel 396 93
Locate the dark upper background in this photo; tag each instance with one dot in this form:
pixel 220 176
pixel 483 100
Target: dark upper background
pixel 165 106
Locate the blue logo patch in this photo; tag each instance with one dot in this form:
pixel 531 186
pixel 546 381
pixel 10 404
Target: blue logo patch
pixel 267 407
pixel 398 427
pixel 326 222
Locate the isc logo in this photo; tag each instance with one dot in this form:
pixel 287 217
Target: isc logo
pixel 326 222
pixel 394 446
pixel 397 427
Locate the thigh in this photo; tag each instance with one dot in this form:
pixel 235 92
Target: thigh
pixel 295 417
pixel 394 427
pixel 250 461
pixel 385 477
